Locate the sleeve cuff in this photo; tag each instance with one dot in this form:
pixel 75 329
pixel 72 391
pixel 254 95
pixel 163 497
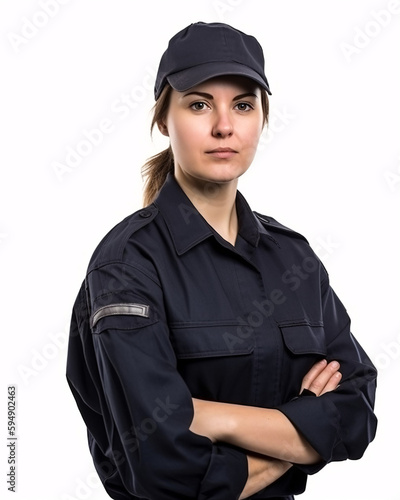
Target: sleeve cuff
pixel 226 475
pixel 318 421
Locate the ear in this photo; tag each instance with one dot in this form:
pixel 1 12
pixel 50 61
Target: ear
pixel 162 127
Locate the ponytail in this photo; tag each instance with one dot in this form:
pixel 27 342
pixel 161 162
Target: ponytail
pixel 156 168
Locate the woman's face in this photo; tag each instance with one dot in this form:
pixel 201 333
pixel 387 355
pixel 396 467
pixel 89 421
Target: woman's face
pixel 214 129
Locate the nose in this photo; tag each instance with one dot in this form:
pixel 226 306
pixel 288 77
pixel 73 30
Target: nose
pixel 223 126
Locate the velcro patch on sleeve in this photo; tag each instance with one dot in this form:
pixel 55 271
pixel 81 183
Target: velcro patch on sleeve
pixel 120 309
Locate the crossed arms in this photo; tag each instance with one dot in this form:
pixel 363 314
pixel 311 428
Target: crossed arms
pixel 272 441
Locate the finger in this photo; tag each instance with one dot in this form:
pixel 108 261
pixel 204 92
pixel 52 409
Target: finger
pixel 332 383
pixel 319 383
pixel 312 374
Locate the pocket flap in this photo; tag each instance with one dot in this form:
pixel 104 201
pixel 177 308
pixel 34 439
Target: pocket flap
pixel 210 341
pixel 304 338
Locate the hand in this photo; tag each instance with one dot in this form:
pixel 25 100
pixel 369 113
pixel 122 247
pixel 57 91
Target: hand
pixel 323 377
pixel 263 471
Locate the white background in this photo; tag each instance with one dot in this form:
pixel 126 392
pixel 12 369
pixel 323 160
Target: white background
pixel 329 167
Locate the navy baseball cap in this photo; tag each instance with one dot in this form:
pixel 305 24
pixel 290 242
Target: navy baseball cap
pixel 205 50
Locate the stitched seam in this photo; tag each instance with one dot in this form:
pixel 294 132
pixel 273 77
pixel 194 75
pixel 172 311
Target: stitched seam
pixel 118 293
pixel 137 267
pixel 340 332
pixel 300 322
pixel 178 325
pixel 198 354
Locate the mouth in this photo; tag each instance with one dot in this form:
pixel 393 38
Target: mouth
pixel 222 152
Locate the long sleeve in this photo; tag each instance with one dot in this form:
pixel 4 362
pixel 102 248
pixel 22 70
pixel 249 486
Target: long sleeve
pixel 175 312
pixel 339 424
pixel 136 405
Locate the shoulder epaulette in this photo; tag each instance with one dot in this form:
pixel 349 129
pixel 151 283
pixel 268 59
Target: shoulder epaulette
pixel 273 225
pixel 111 247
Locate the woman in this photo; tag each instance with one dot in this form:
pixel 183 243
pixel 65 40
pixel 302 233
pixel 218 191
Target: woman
pixel 208 354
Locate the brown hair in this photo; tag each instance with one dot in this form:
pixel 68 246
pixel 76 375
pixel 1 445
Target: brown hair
pixel 157 167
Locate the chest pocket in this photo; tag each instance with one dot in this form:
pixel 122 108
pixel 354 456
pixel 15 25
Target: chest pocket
pixel 215 360
pixel 304 338
pixel 210 340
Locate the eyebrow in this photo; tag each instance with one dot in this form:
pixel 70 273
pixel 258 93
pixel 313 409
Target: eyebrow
pixel 209 96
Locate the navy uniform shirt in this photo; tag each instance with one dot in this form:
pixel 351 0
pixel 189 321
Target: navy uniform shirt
pixel 168 311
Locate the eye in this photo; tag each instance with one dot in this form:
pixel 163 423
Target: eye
pixel 199 106
pixel 243 106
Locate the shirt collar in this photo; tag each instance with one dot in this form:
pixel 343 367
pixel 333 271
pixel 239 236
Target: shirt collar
pixel 188 227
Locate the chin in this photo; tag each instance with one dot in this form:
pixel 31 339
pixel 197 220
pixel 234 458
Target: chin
pixel 220 177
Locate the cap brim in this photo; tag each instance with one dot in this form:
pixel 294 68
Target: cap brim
pixel 188 78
